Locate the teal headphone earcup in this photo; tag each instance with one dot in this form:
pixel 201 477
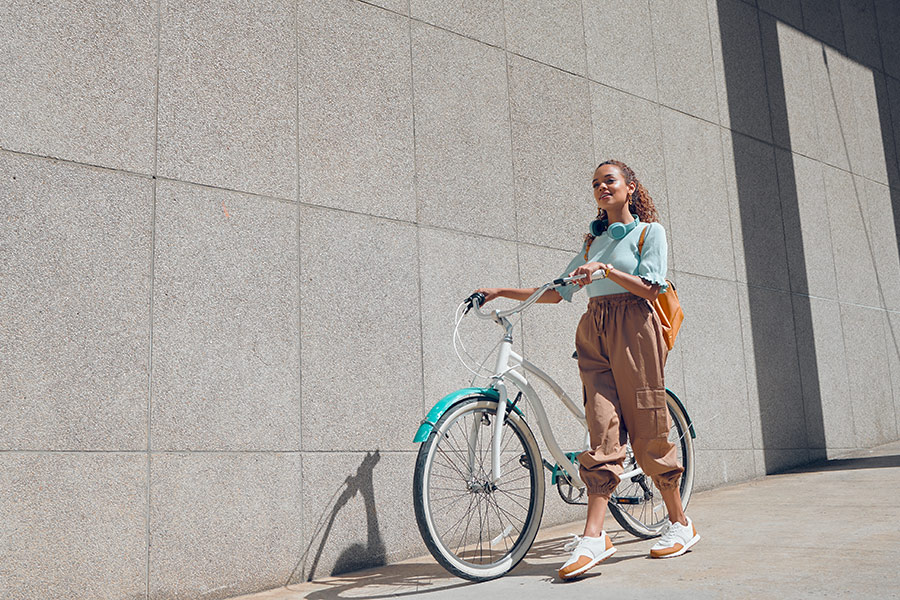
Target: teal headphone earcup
pixel 617 231
pixel 597 226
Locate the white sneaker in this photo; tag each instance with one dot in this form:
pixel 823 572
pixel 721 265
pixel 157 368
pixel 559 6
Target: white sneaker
pixel 586 553
pixel 675 541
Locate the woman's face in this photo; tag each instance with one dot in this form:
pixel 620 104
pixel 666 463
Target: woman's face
pixel 610 190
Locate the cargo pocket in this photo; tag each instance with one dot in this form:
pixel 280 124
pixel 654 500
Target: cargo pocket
pixel 651 415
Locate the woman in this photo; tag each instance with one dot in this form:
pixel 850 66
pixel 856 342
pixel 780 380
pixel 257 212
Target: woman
pixel 621 355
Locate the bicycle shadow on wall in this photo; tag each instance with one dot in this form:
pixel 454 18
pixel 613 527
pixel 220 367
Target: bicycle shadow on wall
pixel 356 556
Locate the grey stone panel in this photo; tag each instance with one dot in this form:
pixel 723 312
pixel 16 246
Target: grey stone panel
pixel 776 460
pixel 397 6
pixel 73 525
pixel 872 160
pixel 74 318
pixel 845 100
pixel 693 89
pixel 697 194
pixel 806 225
pixel 893 95
pixel 831 105
pixel 356 110
pixel 892 340
pixel 823 373
pixel 822 20
pixel 478 19
pixel 464 166
pixel 616 34
pixel 788 11
pixel 715 468
pixel 549 33
pixel 357 511
pixel 715 385
pixel 773 370
pixel 452 266
pixel 790 85
pixel 887 13
pixel 226 364
pixel 628 128
pixel 552 154
pixel 549 340
pixel 884 125
pixel 360 332
pixel 868 372
pixel 227 95
pixel 742 96
pixel 882 241
pixel 854 262
pixel 77 81
pixel 861 31
pixel 223 524
pixel 757 223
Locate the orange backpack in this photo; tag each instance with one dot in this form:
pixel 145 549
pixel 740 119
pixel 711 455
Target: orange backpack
pixel 666 305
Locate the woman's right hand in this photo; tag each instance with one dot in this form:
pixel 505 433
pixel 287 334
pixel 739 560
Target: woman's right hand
pixel 489 293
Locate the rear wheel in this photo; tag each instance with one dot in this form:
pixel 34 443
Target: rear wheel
pixel 637 503
pixel 475 527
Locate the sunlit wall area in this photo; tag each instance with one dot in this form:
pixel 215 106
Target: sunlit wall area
pixel 233 236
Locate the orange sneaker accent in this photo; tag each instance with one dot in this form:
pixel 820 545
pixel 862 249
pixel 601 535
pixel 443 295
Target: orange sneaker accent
pixel 666 552
pixel 568 571
pixel 585 563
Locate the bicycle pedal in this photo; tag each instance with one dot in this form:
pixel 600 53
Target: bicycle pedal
pixel 628 500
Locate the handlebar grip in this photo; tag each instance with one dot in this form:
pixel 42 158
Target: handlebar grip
pixel 475 300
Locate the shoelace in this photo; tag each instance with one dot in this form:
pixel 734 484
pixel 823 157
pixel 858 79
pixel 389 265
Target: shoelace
pixel 573 543
pixel 669 536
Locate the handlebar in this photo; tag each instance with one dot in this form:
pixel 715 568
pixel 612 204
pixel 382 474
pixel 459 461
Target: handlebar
pixel 477 299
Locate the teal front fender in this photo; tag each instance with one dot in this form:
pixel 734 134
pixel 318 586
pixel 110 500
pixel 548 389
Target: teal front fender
pixel 449 400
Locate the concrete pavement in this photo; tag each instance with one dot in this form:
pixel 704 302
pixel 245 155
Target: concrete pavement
pixel 830 530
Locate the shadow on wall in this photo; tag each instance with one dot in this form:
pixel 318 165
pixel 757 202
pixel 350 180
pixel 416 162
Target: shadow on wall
pixel 792 418
pixel 356 556
pixel 770 219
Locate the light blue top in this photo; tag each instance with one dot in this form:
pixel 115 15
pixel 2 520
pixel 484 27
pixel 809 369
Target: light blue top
pixel 651 265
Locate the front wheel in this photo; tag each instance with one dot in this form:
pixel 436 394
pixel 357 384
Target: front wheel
pixel 637 503
pixel 475 527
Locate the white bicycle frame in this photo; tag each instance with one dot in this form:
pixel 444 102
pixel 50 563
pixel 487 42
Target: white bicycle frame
pixel 507 365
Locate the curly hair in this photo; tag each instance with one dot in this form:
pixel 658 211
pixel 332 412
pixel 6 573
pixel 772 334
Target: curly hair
pixel 639 203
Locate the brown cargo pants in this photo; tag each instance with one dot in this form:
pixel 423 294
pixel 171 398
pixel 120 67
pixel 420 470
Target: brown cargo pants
pixel 621 355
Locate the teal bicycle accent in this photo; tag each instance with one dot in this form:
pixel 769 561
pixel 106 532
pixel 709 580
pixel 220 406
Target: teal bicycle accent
pixel 442 405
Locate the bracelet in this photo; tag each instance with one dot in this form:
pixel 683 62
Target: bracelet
pixel 604 273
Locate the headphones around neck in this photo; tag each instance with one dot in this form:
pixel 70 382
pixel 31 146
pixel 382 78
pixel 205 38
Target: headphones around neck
pixel 616 231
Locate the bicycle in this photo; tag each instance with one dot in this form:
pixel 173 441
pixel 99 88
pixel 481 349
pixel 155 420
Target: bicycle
pixel 478 488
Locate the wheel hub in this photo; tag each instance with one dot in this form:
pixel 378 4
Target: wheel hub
pixel 481 487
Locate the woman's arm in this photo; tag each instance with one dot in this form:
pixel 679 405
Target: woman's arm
pixel 521 294
pixel 632 283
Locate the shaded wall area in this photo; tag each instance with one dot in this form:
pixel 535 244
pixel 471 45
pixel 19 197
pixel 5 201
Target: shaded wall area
pixel 232 239
pixel 816 173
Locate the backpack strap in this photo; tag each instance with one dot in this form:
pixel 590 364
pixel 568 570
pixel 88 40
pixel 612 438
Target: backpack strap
pixel 641 241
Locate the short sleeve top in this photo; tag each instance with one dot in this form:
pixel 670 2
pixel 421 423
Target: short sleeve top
pixel 650 265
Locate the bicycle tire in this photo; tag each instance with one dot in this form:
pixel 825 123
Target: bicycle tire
pixel 447 492
pixel 648 518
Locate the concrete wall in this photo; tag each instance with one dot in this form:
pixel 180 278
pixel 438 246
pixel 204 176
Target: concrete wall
pixel 232 237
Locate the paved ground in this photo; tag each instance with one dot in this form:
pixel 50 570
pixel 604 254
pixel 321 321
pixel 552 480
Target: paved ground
pixel 831 530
